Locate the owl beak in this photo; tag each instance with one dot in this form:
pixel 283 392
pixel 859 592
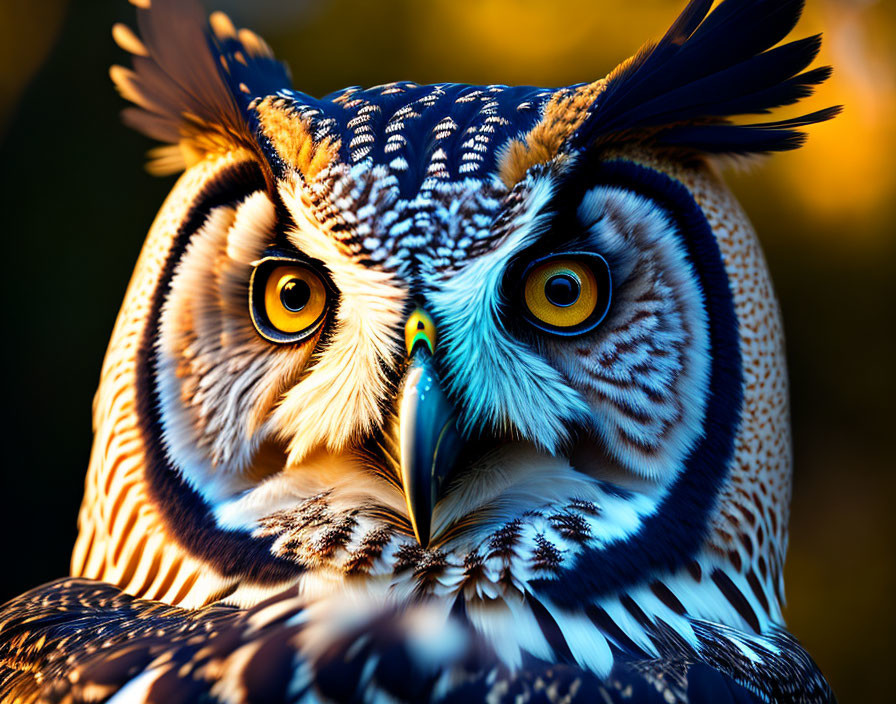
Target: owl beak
pixel 429 439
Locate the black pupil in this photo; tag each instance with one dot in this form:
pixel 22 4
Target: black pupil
pixel 295 294
pixel 562 290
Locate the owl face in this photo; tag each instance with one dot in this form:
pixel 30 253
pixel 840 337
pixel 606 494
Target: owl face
pixel 519 335
pixel 485 344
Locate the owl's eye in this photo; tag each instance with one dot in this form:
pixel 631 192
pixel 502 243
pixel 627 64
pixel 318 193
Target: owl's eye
pixel 288 300
pixel 568 294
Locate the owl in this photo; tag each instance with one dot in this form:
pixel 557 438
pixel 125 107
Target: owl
pixel 439 393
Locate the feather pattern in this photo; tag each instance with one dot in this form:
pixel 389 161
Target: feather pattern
pixel 707 68
pixel 613 527
pixel 191 82
pixel 281 651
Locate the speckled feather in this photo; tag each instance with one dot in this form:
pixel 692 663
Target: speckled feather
pixel 88 642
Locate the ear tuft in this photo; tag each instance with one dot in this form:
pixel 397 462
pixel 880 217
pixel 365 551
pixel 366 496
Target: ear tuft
pixel 192 81
pixel 707 68
pixel 127 40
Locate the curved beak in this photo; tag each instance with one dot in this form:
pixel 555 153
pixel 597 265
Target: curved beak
pixel 428 436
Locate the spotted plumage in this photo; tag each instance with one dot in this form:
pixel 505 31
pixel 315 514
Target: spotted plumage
pixel 439 393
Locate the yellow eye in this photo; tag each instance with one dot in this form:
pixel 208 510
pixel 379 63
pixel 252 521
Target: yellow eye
pixel 288 300
pixel 567 295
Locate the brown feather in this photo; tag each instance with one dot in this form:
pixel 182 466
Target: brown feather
pixel 179 90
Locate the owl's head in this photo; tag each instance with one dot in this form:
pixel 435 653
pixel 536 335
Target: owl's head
pixel 513 348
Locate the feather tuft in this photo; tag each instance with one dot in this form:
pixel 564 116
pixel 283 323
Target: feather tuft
pixel 192 81
pixel 711 66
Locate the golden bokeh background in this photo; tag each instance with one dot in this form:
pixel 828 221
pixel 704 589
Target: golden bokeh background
pixel 77 206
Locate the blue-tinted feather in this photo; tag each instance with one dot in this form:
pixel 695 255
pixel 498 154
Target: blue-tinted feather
pixel 747 139
pixel 809 119
pixel 254 75
pixel 715 45
pixel 710 67
pixel 707 94
pixel 784 93
pixel 734 139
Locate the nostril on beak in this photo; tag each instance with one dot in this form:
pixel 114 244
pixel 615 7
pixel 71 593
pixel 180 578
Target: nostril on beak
pixel 419 329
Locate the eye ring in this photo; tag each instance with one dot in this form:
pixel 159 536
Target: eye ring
pixel 288 299
pixel 566 294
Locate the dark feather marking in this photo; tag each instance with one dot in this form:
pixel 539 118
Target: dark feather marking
pixel 268 673
pixel 473 569
pixel 734 558
pixel 636 611
pixel 427 564
pixel 80 641
pixel 571 526
pixel 369 549
pixel 505 539
pixel 757 589
pixel 178 685
pixel 747 543
pixel 736 598
pixel 546 555
pixel 710 95
pixel 669 538
pixel 550 630
pixel 600 618
pixel 336 535
pixel 746 139
pixel 709 686
pixel 187 516
pixel 784 672
pixel 707 68
pixel 584 506
pixel 665 595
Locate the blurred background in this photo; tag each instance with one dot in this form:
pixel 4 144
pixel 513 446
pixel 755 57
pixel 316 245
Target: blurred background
pixel 77 205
